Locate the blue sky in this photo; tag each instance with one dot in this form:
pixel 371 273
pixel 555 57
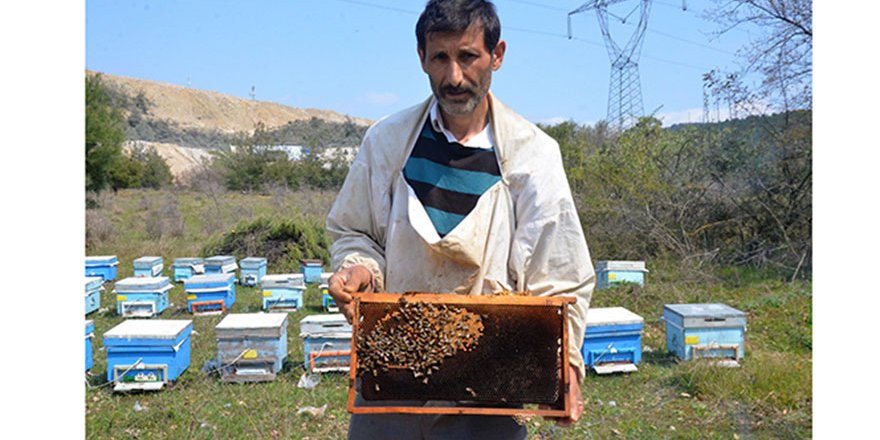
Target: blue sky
pixel 358 56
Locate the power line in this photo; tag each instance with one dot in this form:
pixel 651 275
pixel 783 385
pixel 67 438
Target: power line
pixel 525 30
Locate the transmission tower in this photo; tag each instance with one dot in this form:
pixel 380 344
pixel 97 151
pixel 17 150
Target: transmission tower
pixel 625 90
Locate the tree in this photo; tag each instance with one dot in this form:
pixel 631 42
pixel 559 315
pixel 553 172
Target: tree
pixel 782 57
pixel 104 135
pixel 780 209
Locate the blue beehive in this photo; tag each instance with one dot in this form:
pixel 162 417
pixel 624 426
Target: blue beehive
pixel 612 340
pixel 148 267
pixel 220 264
pixel 253 269
pixel 327 302
pixel 142 296
pixel 251 347
pixel 311 270
pixel 210 294
pixel 609 273
pixel 94 286
pixel 705 331
pixel 283 292
pixel 327 342
pixel 186 267
pixel 145 355
pixel 90 333
pixel 102 266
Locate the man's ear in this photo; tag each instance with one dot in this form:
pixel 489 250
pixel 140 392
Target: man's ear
pixel 498 55
pixel 421 58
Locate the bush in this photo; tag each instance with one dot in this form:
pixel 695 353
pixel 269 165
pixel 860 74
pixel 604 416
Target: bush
pixel 282 242
pixel 98 229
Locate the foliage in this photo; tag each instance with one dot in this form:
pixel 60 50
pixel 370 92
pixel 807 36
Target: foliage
pixel 283 242
pixel 254 166
pixel 104 135
pixel 702 192
pixel 142 168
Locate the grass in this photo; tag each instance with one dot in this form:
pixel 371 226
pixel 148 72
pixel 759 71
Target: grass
pixel 769 396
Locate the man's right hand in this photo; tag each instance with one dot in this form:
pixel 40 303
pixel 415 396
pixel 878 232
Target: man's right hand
pixel 347 281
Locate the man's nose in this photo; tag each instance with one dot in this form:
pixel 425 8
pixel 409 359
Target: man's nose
pixel 454 74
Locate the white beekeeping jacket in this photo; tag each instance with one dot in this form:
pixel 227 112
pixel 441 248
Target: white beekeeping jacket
pixel 523 234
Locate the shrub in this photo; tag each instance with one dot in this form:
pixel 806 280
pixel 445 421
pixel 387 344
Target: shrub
pixel 282 242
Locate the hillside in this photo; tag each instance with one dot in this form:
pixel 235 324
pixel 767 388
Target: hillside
pixel 183 124
pixel 212 111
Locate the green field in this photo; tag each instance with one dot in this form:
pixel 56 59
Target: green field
pixel 769 396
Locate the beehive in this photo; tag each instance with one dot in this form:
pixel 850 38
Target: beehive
pixel 705 331
pixel 102 266
pixel 612 340
pixel 147 354
pixel 142 296
pixel 311 270
pixel 148 267
pixel 283 292
pixel 210 294
pixel 327 342
pixel 90 334
pixel 251 347
pixel 327 302
pixel 253 269
pixel 494 352
pixel 609 273
pixel 186 267
pixel 94 286
pixel 220 264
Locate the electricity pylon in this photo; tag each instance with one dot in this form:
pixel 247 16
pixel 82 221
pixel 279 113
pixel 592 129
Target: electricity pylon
pixel 625 90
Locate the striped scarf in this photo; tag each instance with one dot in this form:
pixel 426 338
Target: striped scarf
pixel 449 178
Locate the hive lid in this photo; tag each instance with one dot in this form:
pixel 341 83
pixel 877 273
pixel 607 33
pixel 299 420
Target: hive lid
pixel 252 320
pixel 219 260
pixel 312 262
pixel 90 326
pixel 621 265
pixel 705 310
pixel 142 283
pixel 94 282
pixel 324 324
pixel 214 278
pixel 188 261
pixel 324 318
pixel 283 280
pixel 148 261
pixel 101 259
pixel 148 329
pixel 253 261
pixel 612 316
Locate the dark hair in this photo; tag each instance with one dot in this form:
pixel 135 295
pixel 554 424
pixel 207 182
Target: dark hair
pixel 456 16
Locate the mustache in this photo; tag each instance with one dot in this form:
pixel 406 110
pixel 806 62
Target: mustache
pixel 457 89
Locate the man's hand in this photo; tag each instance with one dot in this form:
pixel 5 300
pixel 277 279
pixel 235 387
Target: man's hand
pixel 347 281
pixel 575 400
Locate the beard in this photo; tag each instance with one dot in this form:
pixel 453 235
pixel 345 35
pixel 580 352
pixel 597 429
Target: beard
pixel 466 104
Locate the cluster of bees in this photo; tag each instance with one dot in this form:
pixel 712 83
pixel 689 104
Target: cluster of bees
pixel 418 336
pixel 505 292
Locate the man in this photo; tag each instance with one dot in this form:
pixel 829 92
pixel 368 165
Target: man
pixel 459 194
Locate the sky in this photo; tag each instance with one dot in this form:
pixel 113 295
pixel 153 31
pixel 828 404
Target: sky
pixel 358 57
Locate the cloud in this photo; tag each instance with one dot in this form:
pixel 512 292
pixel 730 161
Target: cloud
pixel 380 99
pixel 554 120
pixel 721 113
pixel 692 115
